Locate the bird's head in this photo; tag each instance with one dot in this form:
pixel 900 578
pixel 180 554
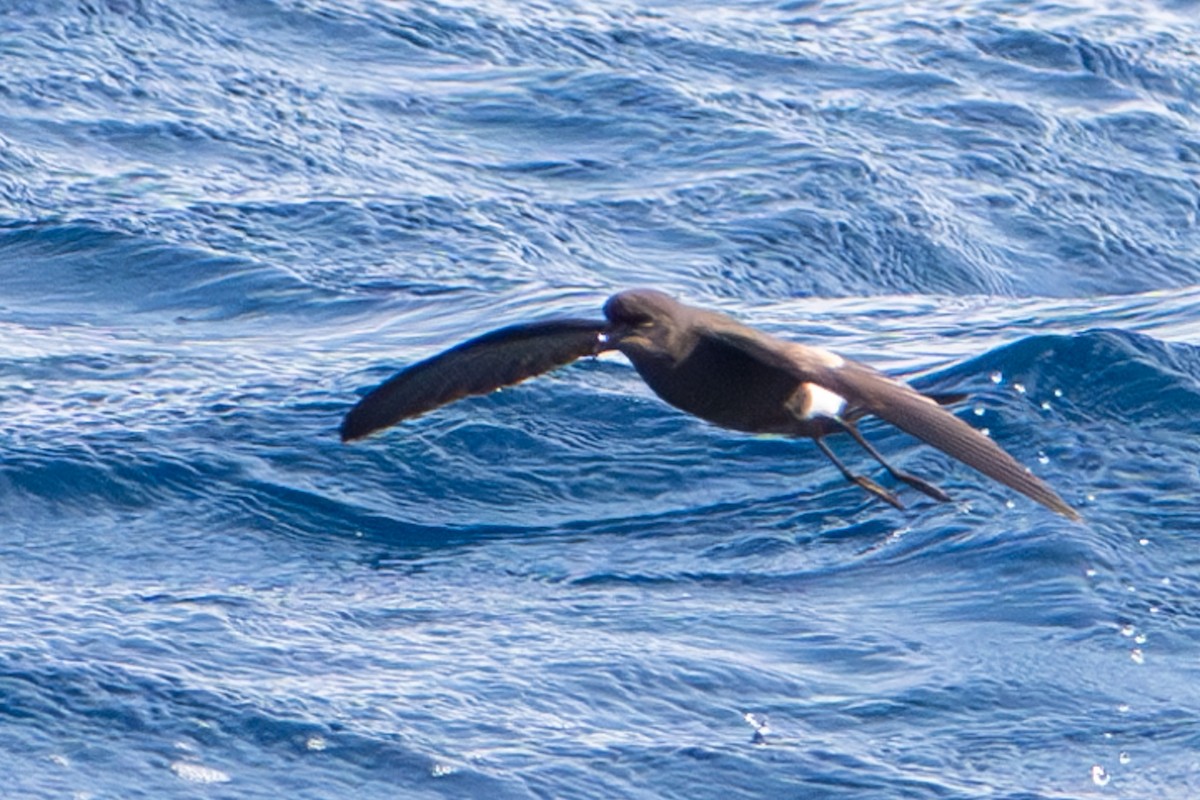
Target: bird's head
pixel 645 323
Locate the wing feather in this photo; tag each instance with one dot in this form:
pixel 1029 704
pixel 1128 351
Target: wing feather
pixel 478 366
pixel 868 391
pixel 922 417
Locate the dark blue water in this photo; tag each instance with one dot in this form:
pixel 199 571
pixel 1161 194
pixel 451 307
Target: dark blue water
pixel 221 222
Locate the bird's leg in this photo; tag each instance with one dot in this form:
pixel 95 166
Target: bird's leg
pixel 900 475
pixel 860 480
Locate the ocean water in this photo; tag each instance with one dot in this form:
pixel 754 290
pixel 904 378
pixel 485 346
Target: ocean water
pixel 222 221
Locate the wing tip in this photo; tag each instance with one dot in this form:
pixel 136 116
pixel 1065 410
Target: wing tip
pixel 1067 511
pixel 354 428
pixel 1047 497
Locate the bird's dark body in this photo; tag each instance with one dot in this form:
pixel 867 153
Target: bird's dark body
pixel 714 367
pixel 718 384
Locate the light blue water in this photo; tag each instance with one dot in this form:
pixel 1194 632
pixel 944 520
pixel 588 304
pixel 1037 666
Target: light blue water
pixel 220 222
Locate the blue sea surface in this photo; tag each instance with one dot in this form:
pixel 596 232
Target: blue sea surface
pixel 223 221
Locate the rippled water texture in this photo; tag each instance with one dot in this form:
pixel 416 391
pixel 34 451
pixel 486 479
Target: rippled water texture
pixel 221 222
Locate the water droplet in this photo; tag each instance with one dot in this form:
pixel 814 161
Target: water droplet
pixel 997 377
pixel 1058 392
pixel 1127 629
pixel 1140 638
pixel 1009 504
pixel 441 770
pixel 1137 655
pixel 1123 708
pixel 1020 387
pixel 1045 405
pixel 979 411
pixel 761 728
pixel 1099 776
pixel 985 431
pixel 198 773
pixel 316 743
pixel 1166 581
pixel 1043 458
pixel 1123 758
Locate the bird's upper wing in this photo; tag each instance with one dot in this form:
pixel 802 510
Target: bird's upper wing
pixel 870 391
pixel 478 366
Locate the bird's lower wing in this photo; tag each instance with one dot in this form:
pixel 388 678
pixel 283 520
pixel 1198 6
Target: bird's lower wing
pixel 483 364
pixel 912 412
pixel 868 391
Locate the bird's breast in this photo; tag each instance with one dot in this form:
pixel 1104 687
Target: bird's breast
pixel 723 385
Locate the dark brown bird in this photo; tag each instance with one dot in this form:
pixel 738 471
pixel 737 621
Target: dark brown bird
pixel 710 365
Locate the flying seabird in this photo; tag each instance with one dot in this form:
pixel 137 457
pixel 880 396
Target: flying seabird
pixel 714 367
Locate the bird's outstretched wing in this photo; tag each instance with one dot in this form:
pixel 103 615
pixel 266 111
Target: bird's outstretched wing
pixel 913 413
pixel 483 364
pixel 868 391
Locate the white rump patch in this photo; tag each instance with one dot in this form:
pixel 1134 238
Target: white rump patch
pixel 822 402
